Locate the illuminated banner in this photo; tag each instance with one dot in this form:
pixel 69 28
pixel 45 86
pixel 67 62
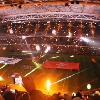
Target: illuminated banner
pixel 61 65
pixel 6 60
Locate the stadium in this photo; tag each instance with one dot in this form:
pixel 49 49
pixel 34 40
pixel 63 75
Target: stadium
pixel 56 40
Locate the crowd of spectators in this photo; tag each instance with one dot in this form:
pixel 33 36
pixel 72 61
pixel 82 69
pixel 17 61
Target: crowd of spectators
pixel 34 94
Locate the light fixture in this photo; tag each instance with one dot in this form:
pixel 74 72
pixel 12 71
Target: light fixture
pixel 66 4
pixel 20 6
pixel 72 2
pixel 77 2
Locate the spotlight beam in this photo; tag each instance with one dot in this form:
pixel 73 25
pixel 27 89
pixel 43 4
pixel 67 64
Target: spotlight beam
pixel 70 76
pixel 37 66
pixel 3 66
pixel 31 71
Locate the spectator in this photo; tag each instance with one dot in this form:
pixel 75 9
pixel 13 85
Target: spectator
pixel 29 85
pixel 79 94
pixel 8 95
pixel 77 98
pixel 1 98
pixel 96 96
pixel 24 96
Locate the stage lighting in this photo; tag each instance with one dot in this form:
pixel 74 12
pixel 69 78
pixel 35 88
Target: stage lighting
pixel 72 2
pixel 20 6
pixel 77 2
pixel 11 5
pixel 66 4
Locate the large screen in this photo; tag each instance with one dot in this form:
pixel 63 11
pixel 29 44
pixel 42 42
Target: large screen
pixel 12 90
pixel 18 80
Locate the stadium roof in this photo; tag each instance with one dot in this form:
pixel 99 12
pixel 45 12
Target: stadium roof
pixel 25 10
